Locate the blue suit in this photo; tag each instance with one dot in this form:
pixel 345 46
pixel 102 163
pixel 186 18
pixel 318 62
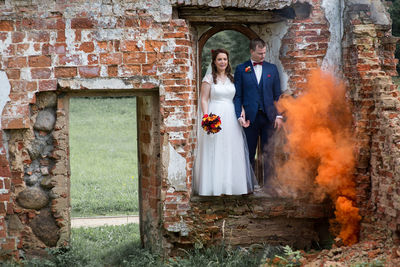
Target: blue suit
pixel 257 100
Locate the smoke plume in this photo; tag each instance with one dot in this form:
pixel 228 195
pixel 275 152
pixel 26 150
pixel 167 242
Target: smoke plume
pixel 320 149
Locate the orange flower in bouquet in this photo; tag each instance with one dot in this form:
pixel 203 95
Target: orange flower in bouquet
pixel 211 123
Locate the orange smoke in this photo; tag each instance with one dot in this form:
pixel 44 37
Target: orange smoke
pixel 321 148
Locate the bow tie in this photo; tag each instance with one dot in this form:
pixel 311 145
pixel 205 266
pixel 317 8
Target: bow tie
pixel 257 63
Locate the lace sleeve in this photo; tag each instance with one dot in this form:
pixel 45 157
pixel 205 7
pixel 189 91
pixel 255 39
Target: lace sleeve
pixel 208 79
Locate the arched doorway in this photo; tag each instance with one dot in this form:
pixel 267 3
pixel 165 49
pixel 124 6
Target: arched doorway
pixel 243 33
pixel 246 31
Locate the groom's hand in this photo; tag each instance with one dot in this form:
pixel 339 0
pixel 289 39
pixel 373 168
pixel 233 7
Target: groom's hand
pixel 244 123
pixel 278 123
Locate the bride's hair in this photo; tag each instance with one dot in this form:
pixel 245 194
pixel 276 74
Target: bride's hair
pixel 214 54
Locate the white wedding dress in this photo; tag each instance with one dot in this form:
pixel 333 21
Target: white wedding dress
pixel 222 165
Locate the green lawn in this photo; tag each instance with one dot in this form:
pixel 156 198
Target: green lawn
pixel 103 156
pixel 120 246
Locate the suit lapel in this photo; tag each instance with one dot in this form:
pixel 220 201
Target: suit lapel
pixel 264 74
pixel 253 73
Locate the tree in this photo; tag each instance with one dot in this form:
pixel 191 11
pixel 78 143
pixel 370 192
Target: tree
pixel 394 11
pixel 234 42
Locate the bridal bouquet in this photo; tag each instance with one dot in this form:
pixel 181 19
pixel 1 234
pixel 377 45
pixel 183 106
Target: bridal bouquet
pixel 211 123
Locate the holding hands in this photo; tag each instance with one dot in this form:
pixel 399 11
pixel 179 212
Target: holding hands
pixel 242 119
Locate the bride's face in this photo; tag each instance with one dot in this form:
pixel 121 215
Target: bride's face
pixel 221 61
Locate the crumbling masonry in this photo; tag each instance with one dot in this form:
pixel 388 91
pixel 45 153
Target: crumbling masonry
pixel 52 50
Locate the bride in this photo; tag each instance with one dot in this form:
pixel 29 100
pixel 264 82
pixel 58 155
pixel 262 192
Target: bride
pixel 222 165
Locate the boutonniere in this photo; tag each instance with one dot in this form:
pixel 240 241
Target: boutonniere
pixel 247 69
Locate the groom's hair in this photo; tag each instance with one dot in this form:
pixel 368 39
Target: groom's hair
pixel 256 42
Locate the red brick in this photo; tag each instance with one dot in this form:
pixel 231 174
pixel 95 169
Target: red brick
pixel 129 70
pixel 153 46
pixel 3 36
pixel 48 49
pixel 69 59
pixel 9 245
pixel 174 35
pixel 60 48
pixel 22 48
pixel 13 74
pixel 60 36
pixel 16 62
pixel 111 58
pixel 81 23
pixel 39 61
pixel 6 25
pixel 130 46
pixel 132 22
pixel 47 85
pixel 65 72
pixel 93 59
pixel 38 36
pixel 23 86
pixel 135 57
pixel 89 71
pixel 149 69
pixel 87 47
pixel 112 71
pixel 17 37
pixel 78 35
pixel 31 24
pixel 40 73
pixel 55 24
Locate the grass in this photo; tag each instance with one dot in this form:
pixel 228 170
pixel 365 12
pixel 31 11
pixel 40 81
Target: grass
pixel 103 156
pixel 120 246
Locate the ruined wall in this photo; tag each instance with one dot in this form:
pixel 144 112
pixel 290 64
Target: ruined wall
pixel 51 50
pixel 369 64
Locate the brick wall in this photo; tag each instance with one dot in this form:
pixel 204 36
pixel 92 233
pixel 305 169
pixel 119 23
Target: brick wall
pixel 368 66
pixel 142 48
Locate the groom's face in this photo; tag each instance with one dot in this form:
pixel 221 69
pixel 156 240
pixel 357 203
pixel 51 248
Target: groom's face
pixel 258 55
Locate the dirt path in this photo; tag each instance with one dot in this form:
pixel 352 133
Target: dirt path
pixel 104 220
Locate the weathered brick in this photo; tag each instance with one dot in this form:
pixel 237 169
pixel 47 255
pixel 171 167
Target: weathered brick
pixel 6 25
pixel 93 59
pixel 111 58
pixel 153 46
pixel 13 74
pixel 16 62
pixel 130 70
pixel 40 73
pixel 39 61
pixel 89 71
pixel 81 23
pixel 112 70
pixel 47 85
pixel 17 37
pixel 38 36
pixel 134 58
pixel 87 47
pixel 65 72
pixel 129 46
pixel 69 60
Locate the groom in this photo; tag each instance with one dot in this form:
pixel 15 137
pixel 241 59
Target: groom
pixel 257 88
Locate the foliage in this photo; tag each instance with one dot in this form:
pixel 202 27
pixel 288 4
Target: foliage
pixel 394 11
pixel 234 42
pixel 288 258
pixel 376 263
pixel 103 155
pixel 99 246
pixel 220 256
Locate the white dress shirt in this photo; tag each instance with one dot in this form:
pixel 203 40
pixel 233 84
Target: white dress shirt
pixel 257 71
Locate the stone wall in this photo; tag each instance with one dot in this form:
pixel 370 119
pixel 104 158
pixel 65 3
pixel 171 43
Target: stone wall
pixel 51 51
